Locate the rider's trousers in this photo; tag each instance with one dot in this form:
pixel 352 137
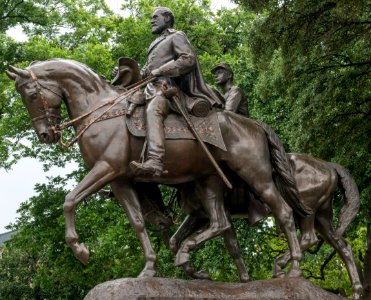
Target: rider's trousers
pixel 157 111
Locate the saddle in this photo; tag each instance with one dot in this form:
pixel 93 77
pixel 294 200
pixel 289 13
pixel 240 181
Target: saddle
pixel 176 128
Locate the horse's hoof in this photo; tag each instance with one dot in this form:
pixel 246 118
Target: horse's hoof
pixel 190 271
pixel 201 275
pixel 82 254
pixel 147 273
pixel 279 274
pixel 357 292
pixel 357 296
pixel 294 273
pixel 245 278
pixel 181 258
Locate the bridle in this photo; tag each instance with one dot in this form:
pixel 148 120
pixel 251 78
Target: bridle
pixel 58 128
pixel 48 115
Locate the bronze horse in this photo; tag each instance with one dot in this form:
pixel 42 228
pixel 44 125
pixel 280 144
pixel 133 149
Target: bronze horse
pixel 316 181
pixel 253 153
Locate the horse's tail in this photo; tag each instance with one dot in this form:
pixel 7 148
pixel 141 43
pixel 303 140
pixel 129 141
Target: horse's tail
pixel 284 173
pixel 351 199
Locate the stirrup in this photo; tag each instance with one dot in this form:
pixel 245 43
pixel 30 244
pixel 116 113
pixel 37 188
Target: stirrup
pixel 143 169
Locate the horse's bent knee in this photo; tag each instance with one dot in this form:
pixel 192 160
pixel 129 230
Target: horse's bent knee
pixel 283 259
pixel 68 205
pixel 297 256
pixel 217 228
pixel 285 218
pixel 138 224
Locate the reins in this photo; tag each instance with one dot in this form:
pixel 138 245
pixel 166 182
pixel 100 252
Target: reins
pixel 57 129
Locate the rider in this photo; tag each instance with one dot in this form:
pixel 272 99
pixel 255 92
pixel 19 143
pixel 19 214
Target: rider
pixel 173 61
pixel 236 101
pixel 235 98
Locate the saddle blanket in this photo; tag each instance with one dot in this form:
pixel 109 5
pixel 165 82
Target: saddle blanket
pixel 176 127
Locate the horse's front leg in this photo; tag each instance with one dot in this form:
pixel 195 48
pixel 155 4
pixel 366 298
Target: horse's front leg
pixel 128 199
pixel 101 174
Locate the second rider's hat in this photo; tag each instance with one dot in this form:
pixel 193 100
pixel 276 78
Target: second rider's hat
pixel 128 72
pixel 221 66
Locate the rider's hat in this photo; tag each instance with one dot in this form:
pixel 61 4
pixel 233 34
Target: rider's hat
pixel 128 72
pixel 221 66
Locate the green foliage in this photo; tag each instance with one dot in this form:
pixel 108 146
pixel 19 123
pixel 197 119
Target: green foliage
pixel 314 74
pixel 313 66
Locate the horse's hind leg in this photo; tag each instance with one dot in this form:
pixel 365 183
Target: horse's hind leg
pixel 213 203
pixel 284 216
pixel 189 226
pixel 231 243
pixel 97 178
pixel 307 239
pixel 260 180
pixel 128 199
pixel 324 227
pixel 153 208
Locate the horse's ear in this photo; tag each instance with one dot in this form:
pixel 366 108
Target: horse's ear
pixel 11 75
pixel 15 72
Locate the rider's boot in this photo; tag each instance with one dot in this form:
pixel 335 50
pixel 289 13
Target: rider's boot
pixel 151 167
pixel 157 111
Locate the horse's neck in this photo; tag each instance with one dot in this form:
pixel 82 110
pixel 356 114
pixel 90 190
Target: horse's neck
pixel 82 97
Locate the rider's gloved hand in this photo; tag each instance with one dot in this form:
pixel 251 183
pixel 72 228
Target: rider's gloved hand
pixel 144 72
pixel 115 71
pixel 156 72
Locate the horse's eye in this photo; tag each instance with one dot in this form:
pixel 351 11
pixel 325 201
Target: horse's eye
pixel 33 96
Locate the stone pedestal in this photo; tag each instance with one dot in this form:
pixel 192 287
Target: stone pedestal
pixel 174 289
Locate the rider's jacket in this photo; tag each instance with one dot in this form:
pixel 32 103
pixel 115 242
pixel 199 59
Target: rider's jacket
pixel 174 57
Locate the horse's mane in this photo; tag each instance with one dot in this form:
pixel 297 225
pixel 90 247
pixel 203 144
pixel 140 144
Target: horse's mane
pixel 36 62
pixel 83 70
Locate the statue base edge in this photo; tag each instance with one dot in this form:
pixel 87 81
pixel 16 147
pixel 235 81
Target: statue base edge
pixel 154 288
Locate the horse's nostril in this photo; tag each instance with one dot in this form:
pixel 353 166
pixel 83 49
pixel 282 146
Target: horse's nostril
pixel 43 136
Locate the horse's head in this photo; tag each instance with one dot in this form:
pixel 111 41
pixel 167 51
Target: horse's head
pixel 42 100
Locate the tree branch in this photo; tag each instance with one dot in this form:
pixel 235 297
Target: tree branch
pixel 327 260
pixel 7 15
pixel 325 263
pixel 318 247
pixel 339 66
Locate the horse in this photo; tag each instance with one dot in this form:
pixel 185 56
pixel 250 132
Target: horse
pixel 253 153
pixel 316 181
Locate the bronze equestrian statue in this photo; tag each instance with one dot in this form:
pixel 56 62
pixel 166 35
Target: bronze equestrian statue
pixel 107 147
